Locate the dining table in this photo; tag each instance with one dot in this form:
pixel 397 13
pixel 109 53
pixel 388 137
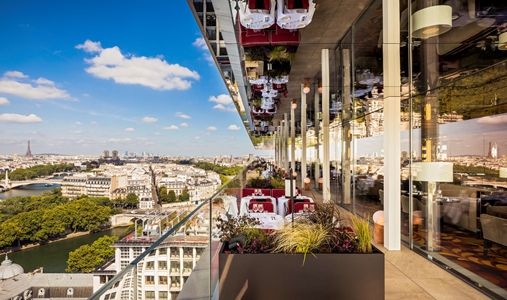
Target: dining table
pixel 268 220
pixel 282 201
pixel 245 202
pixel 230 205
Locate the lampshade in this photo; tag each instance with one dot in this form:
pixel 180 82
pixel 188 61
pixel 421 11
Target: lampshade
pixel 306 88
pixel 319 88
pixel 287 188
pixel 431 21
pixel 503 173
pixel 307 180
pixel 294 104
pixel 502 41
pixel 295 174
pixel 433 171
pixel 320 180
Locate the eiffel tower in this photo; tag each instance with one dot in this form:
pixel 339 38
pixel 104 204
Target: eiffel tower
pixel 28 152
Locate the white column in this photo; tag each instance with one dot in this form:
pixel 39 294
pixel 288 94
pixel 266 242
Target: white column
pixel 326 190
pixel 316 125
pixel 391 59
pixel 286 142
pixel 293 139
pixel 303 137
pixel 279 132
pixel 277 146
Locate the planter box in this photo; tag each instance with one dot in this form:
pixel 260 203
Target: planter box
pixel 282 276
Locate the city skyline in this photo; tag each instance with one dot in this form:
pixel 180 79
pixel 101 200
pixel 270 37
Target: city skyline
pixel 76 79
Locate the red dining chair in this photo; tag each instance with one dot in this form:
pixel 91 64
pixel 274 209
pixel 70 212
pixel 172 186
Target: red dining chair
pixel 300 206
pixel 288 204
pixel 267 206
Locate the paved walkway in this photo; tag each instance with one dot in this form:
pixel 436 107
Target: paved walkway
pixel 411 276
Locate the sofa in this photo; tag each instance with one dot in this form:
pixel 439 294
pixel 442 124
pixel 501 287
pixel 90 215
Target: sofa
pixel 493 226
pixel 467 208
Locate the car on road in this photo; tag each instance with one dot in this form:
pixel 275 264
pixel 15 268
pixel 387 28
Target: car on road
pixel 133 212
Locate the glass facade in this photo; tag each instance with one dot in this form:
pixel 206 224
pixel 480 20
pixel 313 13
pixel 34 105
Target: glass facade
pixel 453 108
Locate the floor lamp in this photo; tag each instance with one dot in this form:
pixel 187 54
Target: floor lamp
pixel 433 173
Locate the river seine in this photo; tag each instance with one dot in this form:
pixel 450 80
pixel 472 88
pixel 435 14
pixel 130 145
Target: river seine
pixel 53 256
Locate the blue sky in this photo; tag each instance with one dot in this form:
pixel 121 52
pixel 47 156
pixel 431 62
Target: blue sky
pixel 80 77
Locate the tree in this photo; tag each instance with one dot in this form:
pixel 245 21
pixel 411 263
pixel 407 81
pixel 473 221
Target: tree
pixel 87 257
pixel 132 200
pixel 171 196
pixel 184 196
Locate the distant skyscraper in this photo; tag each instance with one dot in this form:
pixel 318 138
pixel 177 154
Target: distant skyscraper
pixel 493 151
pixel 28 151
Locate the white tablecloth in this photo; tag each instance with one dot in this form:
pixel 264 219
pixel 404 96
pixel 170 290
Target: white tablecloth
pixel 268 220
pixel 281 204
pixel 231 205
pixel 245 201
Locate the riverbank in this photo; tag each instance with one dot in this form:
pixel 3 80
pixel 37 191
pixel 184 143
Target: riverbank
pixel 68 236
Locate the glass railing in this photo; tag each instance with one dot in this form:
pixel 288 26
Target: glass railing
pixel 171 255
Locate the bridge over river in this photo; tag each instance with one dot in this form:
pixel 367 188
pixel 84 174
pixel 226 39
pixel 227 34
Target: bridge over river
pixel 14 184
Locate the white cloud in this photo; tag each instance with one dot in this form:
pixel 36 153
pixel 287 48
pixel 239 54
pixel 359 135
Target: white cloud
pixel 208 133
pixel 114 140
pixel 197 137
pixel 15 74
pixel 493 120
pixel 212 128
pixel 86 95
pixel 222 99
pixel 13 83
pixel 183 125
pixel 93 123
pixel 90 46
pixel 222 107
pixel 233 127
pixel 142 139
pixel 152 72
pixel 4 101
pixel 224 102
pixel 208 57
pixel 76 132
pixel 130 129
pixel 182 115
pixel 172 127
pixel 44 81
pixel 15 118
pixel 149 120
pixel 157 133
pixel 200 43
pixel 79 123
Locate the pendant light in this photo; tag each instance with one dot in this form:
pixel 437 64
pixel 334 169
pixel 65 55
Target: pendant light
pixel 431 21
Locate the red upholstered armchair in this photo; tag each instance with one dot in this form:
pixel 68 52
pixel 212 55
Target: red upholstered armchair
pixel 297 4
pixel 300 206
pixel 267 206
pixel 258 4
pixel 288 205
pixel 285 37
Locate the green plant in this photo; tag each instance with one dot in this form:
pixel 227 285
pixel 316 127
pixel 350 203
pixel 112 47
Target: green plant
pixel 363 232
pixel 277 183
pixel 279 53
pixel 233 227
pixel 304 238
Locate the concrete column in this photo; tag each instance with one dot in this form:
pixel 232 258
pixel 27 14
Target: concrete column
pixel 303 137
pixel 277 151
pixel 391 60
pixel 286 142
pixel 316 125
pixel 293 139
pixel 279 143
pixel 326 178
pixel 346 134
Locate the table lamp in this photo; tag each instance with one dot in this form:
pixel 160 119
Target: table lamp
pixel 433 173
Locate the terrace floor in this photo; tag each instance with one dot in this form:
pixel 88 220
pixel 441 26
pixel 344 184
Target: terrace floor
pixel 409 275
